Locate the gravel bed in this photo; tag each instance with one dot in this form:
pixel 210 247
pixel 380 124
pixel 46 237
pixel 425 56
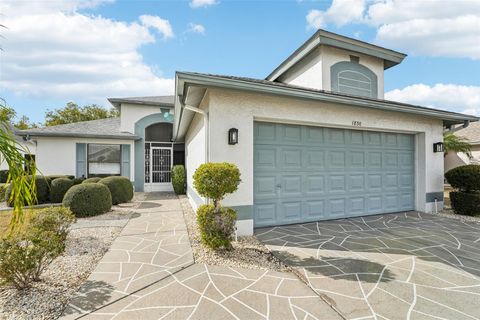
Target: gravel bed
pixel 247 252
pixel 451 215
pixel 47 299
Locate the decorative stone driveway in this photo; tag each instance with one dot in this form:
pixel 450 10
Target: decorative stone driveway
pixel 149 273
pixel 394 266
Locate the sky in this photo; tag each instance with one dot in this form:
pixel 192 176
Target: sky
pixel 86 51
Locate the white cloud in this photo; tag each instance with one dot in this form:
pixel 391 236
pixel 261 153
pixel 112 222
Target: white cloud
pixel 458 98
pixel 161 25
pixel 436 27
pixel 202 3
pixel 340 13
pixel 196 28
pixel 53 52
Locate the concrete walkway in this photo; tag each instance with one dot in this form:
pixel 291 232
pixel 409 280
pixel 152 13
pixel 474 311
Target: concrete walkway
pixel 149 273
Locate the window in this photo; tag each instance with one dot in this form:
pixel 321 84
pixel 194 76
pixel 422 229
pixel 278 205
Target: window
pixel 104 160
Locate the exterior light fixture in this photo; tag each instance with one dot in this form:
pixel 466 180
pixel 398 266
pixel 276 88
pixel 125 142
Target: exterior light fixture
pixel 233 136
pixel 438 147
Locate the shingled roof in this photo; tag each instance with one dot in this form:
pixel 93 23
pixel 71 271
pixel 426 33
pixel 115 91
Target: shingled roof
pixel 104 128
pixel 166 101
pixel 472 133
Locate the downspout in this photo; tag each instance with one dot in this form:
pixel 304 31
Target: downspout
pixel 205 122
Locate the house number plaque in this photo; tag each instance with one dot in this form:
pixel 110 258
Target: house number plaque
pixel 357 123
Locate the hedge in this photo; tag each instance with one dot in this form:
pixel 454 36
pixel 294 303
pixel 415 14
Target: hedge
pixel 179 179
pixel 464 178
pixel 465 203
pixel 78 181
pixel 42 185
pixel 58 189
pixel 56 176
pixel 92 180
pixel 88 199
pixel 121 188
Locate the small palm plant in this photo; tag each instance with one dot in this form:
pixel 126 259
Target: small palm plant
pixel 23 186
pixel 454 143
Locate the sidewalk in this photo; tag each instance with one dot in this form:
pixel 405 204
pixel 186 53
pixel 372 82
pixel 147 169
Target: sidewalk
pixel 149 273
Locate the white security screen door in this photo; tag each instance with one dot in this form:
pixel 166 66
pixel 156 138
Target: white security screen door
pixel 158 174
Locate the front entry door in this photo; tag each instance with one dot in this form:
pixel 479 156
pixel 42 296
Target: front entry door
pixel 159 176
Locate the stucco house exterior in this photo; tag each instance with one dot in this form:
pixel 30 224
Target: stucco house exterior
pixel 315 139
pixel 472 133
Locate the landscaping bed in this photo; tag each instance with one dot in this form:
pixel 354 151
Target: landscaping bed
pixel 87 242
pixel 247 252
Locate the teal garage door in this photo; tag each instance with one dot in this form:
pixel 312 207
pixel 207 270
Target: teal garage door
pixel 305 173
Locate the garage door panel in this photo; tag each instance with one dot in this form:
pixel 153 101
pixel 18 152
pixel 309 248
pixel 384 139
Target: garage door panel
pixel 304 173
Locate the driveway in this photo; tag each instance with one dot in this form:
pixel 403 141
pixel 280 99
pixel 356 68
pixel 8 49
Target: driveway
pixel 394 266
pixel 150 273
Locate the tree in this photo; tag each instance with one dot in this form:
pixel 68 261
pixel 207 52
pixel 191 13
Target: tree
pixel 8 115
pixel 73 113
pixel 23 187
pixel 454 143
pixel 24 123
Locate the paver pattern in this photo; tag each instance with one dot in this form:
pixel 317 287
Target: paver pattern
pixel 394 266
pixel 149 273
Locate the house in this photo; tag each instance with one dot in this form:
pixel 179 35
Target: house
pixel 314 140
pixel 472 133
pixel 26 148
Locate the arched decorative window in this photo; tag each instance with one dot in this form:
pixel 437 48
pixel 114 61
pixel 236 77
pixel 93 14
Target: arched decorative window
pixel 161 132
pixel 353 78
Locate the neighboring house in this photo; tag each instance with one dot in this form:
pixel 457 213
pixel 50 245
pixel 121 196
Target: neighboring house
pixel 316 140
pixel 27 148
pixel 472 133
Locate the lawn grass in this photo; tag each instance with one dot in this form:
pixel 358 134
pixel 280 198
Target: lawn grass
pixel 4 221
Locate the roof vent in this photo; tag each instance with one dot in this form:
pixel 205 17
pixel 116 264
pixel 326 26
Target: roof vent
pixel 355 59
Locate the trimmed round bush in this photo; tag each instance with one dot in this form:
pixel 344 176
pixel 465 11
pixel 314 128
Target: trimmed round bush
pixel 58 189
pixel 215 180
pixel 42 185
pixel 88 199
pixel 464 178
pixel 120 187
pixel 3 176
pixel 217 226
pixel 56 176
pixel 78 181
pixel 465 203
pixel 179 179
pixel 92 180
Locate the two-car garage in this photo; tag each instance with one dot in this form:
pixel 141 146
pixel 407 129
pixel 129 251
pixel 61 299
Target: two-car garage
pixel 307 173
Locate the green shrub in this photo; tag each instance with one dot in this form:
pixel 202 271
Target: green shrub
pixel 121 188
pixel 3 190
pixel 56 176
pixel 24 255
pixel 215 180
pixel 78 181
pixel 216 226
pixel 179 179
pixel 3 176
pixel 465 203
pixel 464 178
pixel 58 189
pixel 88 199
pixel 92 180
pixel 42 185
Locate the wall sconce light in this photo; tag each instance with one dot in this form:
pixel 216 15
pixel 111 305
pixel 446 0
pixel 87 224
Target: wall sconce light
pixel 438 147
pixel 233 136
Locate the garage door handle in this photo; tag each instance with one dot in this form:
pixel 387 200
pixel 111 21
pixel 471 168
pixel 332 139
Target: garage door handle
pixel 279 185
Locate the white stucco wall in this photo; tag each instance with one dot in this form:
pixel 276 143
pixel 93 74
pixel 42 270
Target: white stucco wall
pixel 236 109
pixel 131 113
pixel 314 70
pixel 195 152
pixel 57 155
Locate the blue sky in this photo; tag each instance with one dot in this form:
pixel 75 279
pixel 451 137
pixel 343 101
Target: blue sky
pixel 86 51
